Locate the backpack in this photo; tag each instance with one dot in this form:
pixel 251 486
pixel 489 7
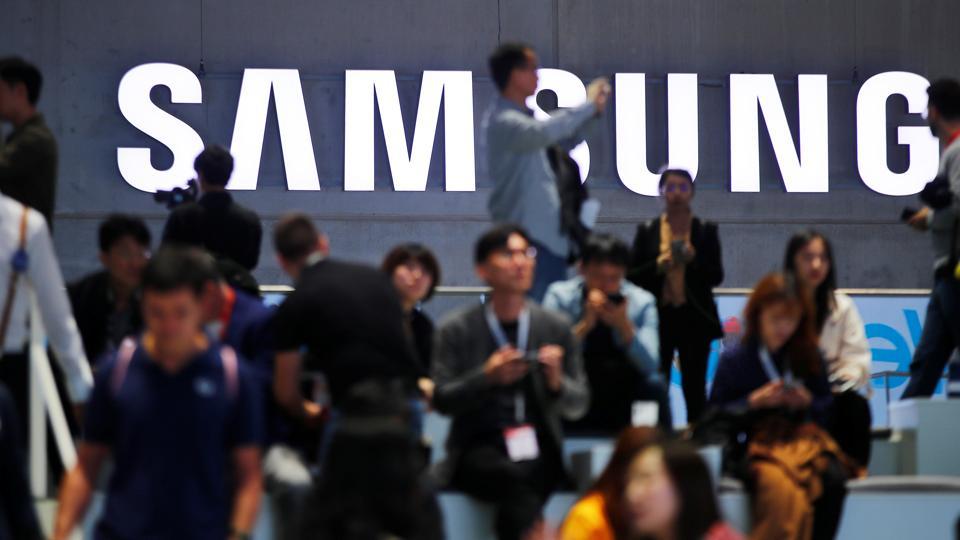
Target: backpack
pixel 573 193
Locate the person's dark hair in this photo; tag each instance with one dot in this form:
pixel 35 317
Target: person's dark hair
pixel 215 164
pixel 605 248
pixel 944 94
pixel 496 239
pixel 117 226
pixel 506 58
pixel 405 253
pixel 682 173
pixel 15 70
pixel 823 296
pixel 612 482
pixel 801 349
pixel 694 488
pixel 175 268
pixel 294 236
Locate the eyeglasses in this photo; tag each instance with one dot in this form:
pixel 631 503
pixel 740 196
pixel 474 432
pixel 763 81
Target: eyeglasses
pixel 527 254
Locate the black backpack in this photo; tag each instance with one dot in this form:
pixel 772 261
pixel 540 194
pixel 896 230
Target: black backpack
pixel 573 193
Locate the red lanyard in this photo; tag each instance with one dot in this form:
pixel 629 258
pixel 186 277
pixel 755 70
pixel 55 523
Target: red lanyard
pixel 955 136
pixel 229 299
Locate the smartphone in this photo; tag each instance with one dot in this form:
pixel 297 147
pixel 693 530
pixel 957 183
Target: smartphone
pixel 908 214
pixel 616 298
pixel 531 357
pixel 677 247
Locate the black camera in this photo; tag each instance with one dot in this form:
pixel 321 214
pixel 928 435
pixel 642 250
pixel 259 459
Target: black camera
pixel 178 195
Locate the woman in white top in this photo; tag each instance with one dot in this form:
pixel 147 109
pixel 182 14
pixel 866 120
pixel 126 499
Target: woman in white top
pixel 843 342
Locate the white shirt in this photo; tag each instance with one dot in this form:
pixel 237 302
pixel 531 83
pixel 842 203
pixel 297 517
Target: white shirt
pixel 844 345
pixel 43 275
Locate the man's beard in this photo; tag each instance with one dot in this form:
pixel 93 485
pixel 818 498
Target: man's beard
pixel 933 129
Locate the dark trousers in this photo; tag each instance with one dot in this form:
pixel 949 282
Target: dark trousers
pixel 828 509
pixel 610 414
pixel 940 337
pixel 678 332
pixel 518 491
pixel 850 424
pixel 15 374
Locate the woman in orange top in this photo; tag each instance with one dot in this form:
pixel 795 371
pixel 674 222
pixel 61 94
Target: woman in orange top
pixel 601 513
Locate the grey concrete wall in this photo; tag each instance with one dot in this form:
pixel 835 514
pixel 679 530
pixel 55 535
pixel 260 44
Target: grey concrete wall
pixel 85 47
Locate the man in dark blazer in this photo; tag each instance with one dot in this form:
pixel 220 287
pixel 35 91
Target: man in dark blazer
pixel 106 304
pixel 507 372
pixel 677 257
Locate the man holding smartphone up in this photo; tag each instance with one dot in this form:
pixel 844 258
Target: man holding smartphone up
pixel 507 371
pixel 617 324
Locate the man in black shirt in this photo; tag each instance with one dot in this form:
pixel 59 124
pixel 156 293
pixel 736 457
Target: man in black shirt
pixel 28 160
pixel 215 222
pixel 107 303
pixel 348 317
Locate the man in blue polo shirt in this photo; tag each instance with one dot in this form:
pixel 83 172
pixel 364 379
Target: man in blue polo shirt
pixel 180 417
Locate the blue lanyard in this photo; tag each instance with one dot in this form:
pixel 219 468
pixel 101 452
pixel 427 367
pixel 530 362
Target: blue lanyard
pixel 523 335
pixel 771 369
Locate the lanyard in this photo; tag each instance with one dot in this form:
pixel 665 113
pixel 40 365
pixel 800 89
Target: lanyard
pixel 771 370
pixel 523 335
pixel 226 311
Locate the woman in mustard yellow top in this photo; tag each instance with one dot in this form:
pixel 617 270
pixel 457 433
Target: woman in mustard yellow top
pixel 657 491
pixel 601 513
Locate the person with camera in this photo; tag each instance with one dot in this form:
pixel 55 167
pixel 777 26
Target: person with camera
pixel 941 328
pixel 617 325
pixel 507 372
pixel 28 160
pixel 215 222
pixel 676 256
pixel 525 185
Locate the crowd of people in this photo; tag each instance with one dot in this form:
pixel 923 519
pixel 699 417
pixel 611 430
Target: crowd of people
pixel 203 398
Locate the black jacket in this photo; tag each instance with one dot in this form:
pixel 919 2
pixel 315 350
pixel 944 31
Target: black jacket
pixel 702 275
pixel 92 306
pixel 219 225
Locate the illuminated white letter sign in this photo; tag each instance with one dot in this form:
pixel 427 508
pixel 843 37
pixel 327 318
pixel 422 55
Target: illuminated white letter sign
pixel 682 130
pixel 248 129
pixel 804 171
pixel 133 97
pixel 570 93
pixel 409 170
pixel 872 135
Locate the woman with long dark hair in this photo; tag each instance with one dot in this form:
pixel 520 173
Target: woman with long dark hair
pixel 843 342
pixel 777 381
pixel 601 514
pixel 676 257
pixel 670 496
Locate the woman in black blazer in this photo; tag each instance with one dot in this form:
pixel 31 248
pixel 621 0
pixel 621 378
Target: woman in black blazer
pixel 676 256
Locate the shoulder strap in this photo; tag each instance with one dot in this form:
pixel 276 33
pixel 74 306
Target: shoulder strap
pixel 228 358
pixel 17 266
pixel 122 365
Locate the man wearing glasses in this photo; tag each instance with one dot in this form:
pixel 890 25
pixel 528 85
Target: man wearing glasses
pixel 507 371
pixel 524 184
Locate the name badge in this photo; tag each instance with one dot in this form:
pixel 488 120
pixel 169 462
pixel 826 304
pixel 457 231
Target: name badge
pixel 522 443
pixel 645 413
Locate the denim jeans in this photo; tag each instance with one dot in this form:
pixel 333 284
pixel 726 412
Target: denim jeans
pixel 940 337
pixel 550 268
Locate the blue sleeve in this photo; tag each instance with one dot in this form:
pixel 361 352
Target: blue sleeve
pixel 100 417
pixel 644 350
pixel 246 423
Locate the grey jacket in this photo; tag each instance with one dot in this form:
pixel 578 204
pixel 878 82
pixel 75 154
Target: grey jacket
pixel 942 222
pixel 463 343
pixel 524 184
